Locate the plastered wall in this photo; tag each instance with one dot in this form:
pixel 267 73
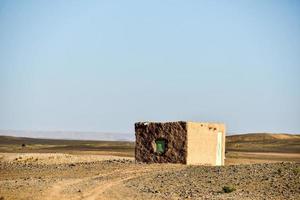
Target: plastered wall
pixel 203 141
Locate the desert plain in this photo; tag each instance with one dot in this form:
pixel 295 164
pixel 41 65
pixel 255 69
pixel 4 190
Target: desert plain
pixel 257 166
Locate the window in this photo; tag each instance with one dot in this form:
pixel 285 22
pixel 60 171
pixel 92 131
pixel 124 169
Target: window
pixel 160 146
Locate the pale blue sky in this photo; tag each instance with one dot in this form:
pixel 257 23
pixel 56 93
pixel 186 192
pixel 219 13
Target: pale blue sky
pixel 102 65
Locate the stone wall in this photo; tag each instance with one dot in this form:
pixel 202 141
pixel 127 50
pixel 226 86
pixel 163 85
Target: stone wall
pixel 175 134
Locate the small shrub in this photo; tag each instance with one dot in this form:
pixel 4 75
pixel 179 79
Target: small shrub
pixel 296 170
pixel 23 145
pixel 279 171
pixel 228 189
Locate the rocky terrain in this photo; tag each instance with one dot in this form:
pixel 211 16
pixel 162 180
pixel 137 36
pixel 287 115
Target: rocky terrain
pixel 83 180
pixel 125 179
pixel 258 181
pixel 107 170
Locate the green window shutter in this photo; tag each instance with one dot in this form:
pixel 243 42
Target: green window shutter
pixel 160 146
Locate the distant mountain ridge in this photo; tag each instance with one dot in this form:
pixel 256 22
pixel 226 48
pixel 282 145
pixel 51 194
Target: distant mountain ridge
pixel 70 135
pixel 238 142
pixel 254 142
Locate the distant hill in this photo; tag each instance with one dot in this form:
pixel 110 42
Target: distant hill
pixel 253 142
pixel 35 145
pixel 264 142
pixel 6 140
pixel 70 135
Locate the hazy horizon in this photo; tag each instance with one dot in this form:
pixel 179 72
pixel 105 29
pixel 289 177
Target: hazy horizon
pixel 86 135
pixel 101 66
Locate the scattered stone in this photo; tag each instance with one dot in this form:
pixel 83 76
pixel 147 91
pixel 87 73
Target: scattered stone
pixel 257 181
pixel 228 189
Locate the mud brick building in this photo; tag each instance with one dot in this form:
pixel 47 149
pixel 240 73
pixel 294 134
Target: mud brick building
pixel 193 143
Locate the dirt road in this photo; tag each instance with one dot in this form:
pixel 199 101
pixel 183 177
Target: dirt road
pixel 34 176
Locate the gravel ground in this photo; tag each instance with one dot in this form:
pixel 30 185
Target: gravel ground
pixel 258 181
pixel 122 178
pixel 83 180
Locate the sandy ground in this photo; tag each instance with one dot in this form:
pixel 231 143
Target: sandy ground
pixel 53 158
pixel 86 176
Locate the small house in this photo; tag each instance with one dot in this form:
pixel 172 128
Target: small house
pixel 193 143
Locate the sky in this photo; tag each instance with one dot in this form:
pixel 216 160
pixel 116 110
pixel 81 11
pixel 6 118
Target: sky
pixel 103 65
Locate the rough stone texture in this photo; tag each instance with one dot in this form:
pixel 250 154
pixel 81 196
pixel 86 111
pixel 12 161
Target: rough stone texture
pixel 175 133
